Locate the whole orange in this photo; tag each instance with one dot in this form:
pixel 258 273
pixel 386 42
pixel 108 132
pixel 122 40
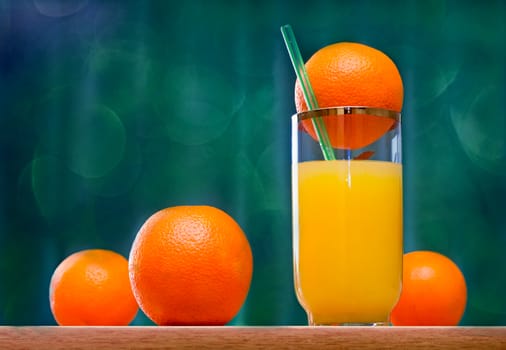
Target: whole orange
pixel 433 293
pixel 92 288
pixel 190 265
pixel 352 74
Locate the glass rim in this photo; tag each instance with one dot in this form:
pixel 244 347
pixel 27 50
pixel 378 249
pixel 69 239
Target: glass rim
pixel 347 110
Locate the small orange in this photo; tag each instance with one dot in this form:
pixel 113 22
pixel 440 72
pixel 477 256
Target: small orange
pixel 91 288
pixel 190 265
pixel 434 291
pixel 352 74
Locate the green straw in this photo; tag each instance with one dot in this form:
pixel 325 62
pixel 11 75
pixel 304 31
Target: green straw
pixel 307 90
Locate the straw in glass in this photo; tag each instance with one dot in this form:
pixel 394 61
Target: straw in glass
pixel 307 90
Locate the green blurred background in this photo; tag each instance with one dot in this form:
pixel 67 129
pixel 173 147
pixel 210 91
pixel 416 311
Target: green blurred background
pixel 112 110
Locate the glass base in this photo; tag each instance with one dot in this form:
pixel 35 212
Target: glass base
pixel 312 322
pixel 353 324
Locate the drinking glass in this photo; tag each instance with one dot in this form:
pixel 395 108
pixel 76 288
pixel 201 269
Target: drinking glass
pixel 347 215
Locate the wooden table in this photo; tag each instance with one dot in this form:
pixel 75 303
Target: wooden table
pixel 242 338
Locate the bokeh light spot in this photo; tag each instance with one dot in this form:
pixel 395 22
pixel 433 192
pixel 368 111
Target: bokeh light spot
pixel 56 189
pixel 57 8
pixel 424 77
pixel 480 130
pixel 120 179
pixel 96 142
pixel 120 74
pixel 197 104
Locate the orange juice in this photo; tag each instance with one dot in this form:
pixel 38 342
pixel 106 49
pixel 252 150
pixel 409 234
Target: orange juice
pixel 348 250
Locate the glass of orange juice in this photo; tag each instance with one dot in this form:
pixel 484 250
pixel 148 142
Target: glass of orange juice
pixel 347 215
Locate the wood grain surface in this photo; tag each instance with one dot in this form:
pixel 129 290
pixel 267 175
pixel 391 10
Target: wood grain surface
pixel 243 338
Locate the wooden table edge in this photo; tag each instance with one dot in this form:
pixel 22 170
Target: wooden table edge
pixel 251 337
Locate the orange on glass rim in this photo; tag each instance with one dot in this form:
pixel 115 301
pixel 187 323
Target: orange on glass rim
pixel 92 288
pixel 190 265
pixel 352 74
pixel 433 293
